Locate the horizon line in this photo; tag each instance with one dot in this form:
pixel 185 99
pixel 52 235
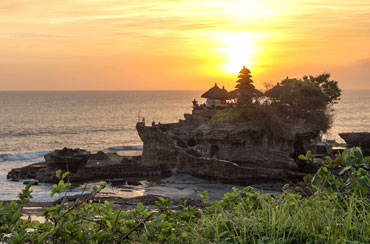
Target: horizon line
pixel 94 90
pixel 366 89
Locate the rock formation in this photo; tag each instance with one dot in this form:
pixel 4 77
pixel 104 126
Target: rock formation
pixel 127 169
pixel 240 152
pixel 67 159
pixel 358 139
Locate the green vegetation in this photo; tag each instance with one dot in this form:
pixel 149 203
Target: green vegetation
pixel 328 87
pixel 270 119
pixel 310 92
pixel 335 210
pixel 114 156
pixel 347 173
pixel 227 115
pixel 309 99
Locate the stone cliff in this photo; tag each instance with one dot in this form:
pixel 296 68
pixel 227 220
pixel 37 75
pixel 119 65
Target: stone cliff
pixel 235 151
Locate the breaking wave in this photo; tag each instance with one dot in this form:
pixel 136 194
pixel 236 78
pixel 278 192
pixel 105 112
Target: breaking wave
pixel 22 156
pixel 125 148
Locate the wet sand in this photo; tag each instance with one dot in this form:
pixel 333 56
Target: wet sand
pixel 175 188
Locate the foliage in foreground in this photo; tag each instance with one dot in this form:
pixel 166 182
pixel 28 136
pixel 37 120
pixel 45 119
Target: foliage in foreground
pixel 332 214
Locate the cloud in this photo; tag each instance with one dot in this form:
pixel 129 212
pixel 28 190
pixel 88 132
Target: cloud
pixel 285 33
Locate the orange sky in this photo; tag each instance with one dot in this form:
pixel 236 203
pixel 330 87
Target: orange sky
pixel 126 44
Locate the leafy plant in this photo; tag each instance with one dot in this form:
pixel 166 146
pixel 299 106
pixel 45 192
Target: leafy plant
pixel 336 213
pixel 348 172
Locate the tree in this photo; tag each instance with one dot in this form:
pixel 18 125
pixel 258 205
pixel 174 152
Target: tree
pixel 328 87
pixel 310 92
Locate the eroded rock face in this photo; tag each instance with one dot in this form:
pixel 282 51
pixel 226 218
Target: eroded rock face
pixel 357 139
pixel 239 152
pixel 67 159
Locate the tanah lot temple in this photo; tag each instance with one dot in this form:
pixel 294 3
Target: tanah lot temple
pixel 219 97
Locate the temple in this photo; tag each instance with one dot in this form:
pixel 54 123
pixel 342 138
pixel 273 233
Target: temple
pixel 216 96
pixel 235 136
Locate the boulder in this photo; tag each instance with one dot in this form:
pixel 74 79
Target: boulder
pixel 357 139
pixel 67 159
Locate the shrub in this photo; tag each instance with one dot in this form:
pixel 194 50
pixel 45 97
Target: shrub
pixel 267 118
pixel 347 173
pixel 242 216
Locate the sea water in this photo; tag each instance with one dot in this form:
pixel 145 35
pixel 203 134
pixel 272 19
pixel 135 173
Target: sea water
pixel 34 123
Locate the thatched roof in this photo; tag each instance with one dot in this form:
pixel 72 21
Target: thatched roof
pixel 216 93
pixel 275 92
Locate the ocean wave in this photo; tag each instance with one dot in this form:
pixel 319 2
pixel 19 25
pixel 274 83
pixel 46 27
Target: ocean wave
pixel 125 148
pixel 57 132
pixel 22 156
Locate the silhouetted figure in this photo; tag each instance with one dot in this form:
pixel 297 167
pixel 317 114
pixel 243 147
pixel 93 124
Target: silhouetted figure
pixel 195 103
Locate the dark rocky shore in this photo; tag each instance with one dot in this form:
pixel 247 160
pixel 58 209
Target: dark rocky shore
pixel 237 153
pixel 240 153
pixel 359 139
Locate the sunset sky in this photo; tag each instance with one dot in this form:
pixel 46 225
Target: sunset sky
pixel 187 45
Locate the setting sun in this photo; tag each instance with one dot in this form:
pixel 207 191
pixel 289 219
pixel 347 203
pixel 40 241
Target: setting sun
pixel 238 51
pixel 192 42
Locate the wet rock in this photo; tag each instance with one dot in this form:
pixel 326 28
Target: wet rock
pixel 133 183
pixel 93 171
pixel 67 159
pixel 27 172
pixel 358 139
pixel 100 155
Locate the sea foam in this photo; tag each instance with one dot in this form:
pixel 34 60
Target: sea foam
pixel 125 148
pixel 22 156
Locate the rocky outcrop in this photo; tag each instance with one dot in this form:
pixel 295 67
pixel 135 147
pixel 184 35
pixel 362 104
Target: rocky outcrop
pixel 100 155
pixel 358 139
pixel 235 152
pixel 67 159
pixel 93 171
pixel 238 152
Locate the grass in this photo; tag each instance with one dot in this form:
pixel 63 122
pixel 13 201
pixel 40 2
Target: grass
pixel 227 115
pixel 287 219
pixel 242 216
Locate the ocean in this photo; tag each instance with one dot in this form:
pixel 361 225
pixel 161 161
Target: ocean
pixel 34 123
